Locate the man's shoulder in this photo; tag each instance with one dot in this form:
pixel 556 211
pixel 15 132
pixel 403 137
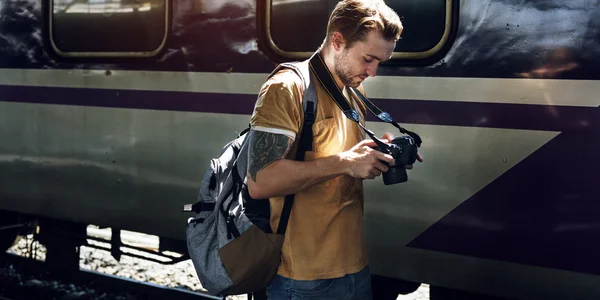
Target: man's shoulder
pixel 285 78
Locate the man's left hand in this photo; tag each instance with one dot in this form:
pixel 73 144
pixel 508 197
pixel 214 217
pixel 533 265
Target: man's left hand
pixel 389 137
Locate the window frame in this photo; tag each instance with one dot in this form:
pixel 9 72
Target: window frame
pixel 109 54
pixel 268 44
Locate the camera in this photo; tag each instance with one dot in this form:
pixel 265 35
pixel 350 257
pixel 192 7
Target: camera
pixel 404 150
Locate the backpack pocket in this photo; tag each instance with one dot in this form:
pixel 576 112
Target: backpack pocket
pixel 252 259
pixel 203 248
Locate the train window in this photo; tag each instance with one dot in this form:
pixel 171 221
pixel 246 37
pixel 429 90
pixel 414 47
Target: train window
pixel 108 28
pixel 295 28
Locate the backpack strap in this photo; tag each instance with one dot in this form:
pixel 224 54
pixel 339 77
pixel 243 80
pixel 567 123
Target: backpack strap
pixel 309 105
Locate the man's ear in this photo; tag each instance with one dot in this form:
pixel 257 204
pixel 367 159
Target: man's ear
pixel 338 41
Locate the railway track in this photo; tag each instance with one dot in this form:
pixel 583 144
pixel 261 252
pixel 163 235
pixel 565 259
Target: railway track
pixel 90 281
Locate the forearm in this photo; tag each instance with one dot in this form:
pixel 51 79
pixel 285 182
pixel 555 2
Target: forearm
pixel 284 176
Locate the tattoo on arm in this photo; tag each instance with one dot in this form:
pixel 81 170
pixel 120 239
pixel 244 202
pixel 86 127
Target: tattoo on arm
pixel 264 149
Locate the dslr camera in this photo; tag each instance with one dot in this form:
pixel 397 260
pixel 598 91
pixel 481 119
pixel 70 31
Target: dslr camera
pixel 404 150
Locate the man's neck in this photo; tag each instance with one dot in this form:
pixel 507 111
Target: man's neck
pixel 328 57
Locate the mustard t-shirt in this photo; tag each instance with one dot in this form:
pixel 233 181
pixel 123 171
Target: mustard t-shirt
pixel 324 237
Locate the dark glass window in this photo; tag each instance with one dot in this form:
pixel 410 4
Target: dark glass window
pixel 108 27
pixel 300 25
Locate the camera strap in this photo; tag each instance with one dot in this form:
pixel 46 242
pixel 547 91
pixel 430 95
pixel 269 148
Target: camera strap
pixel 326 79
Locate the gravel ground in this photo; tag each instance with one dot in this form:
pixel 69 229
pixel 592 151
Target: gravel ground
pixel 180 275
pixel 422 293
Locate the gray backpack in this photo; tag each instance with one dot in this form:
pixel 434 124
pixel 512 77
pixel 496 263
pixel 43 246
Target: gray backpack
pixel 229 240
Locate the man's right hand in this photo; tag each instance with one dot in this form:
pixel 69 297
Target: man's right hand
pixel 364 162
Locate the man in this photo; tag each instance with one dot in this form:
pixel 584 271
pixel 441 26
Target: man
pixel 324 254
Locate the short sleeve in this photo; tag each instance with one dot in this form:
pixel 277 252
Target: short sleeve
pixel 277 109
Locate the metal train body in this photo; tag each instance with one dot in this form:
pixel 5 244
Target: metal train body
pixel 111 110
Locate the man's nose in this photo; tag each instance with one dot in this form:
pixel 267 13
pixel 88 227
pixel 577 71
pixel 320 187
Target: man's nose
pixel 372 71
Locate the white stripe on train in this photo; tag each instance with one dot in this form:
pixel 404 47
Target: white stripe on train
pixel 488 90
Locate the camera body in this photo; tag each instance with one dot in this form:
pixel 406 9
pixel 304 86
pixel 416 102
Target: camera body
pixel 404 150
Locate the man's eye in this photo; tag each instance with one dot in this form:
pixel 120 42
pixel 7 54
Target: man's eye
pixel 367 60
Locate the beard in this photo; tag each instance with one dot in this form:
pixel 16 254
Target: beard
pixel 342 70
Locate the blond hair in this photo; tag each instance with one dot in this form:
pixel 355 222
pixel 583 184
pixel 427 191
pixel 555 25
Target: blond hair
pixel 355 18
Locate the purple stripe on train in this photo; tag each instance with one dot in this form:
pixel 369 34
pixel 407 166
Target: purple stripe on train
pixel 156 100
pixel 545 211
pixel 475 114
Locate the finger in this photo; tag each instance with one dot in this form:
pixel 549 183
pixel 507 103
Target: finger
pixel 381 166
pixel 366 149
pixel 388 136
pixel 419 157
pixel 385 157
pixel 375 172
pixel 371 143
